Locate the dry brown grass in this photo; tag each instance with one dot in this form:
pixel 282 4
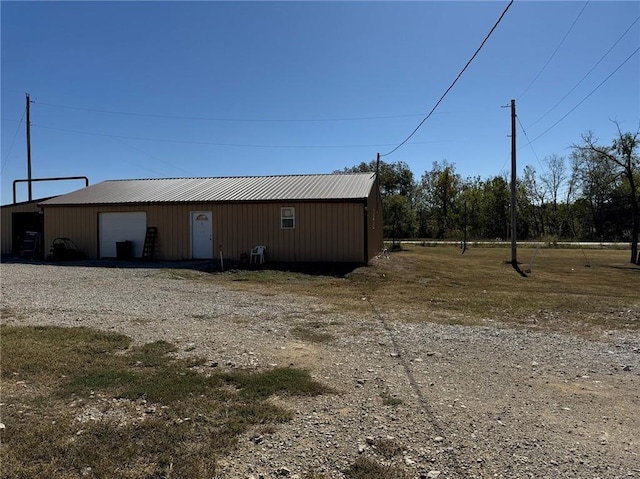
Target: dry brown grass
pixel 53 378
pixel 567 290
pixel 79 402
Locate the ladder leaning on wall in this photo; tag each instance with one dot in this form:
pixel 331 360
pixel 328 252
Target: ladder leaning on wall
pixel 150 239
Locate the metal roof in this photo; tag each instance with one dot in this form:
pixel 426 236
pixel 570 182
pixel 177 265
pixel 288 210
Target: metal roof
pixel 22 203
pixel 343 186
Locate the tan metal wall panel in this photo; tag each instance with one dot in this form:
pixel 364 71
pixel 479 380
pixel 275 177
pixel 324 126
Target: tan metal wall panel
pixel 78 224
pixel 323 232
pixel 375 234
pixel 5 231
pixel 327 231
pixel 6 224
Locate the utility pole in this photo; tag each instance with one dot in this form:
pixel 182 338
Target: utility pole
pixel 29 148
pixel 514 257
pixel 464 232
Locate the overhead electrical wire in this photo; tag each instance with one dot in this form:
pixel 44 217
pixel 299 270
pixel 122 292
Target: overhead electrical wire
pixel 405 141
pixel 529 144
pixel 14 90
pixel 555 51
pixel 237 145
pixel 586 97
pixel 4 162
pixel 452 84
pixel 586 74
pixel 153 157
pixel 238 120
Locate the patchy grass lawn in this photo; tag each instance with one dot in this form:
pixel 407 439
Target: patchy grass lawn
pixel 573 291
pixel 79 402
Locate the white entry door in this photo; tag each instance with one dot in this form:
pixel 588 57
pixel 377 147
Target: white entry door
pixel 201 235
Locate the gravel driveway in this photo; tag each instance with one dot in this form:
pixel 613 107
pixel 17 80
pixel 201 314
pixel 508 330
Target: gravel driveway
pixel 434 400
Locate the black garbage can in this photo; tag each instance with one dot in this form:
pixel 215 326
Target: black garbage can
pixel 124 249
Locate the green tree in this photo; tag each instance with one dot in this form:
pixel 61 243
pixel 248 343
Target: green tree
pixel 400 218
pixel 440 188
pixel 622 157
pixel 531 202
pixel 554 179
pixel 470 201
pixel 594 182
pixel 394 178
pixel 495 208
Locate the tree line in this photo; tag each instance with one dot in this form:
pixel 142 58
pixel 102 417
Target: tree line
pixel 593 195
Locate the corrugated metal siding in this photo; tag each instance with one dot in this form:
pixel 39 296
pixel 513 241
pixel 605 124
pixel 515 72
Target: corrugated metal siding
pixel 375 234
pixel 6 223
pixel 241 189
pixel 325 231
pixel 78 224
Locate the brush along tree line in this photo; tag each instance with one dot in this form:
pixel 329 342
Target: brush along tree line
pixel 593 195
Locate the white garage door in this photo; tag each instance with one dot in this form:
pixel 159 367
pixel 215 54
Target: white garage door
pixel 117 227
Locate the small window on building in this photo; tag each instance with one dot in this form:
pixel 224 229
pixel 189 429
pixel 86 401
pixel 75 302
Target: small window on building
pixel 287 218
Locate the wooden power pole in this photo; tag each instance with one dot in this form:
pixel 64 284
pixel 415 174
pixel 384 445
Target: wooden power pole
pixel 29 149
pixel 514 256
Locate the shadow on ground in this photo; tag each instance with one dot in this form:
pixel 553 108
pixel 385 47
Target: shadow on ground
pixel 207 266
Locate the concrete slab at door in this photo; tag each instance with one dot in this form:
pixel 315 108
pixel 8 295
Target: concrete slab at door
pixel 114 227
pixel 201 235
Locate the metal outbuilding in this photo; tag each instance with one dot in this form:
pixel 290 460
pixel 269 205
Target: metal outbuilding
pixel 16 220
pixel 299 218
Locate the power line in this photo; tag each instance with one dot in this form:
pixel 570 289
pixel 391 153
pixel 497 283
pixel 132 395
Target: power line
pixel 556 50
pixel 454 81
pixel 585 98
pixel 237 145
pixel 586 74
pixel 529 144
pixel 13 90
pixel 4 163
pixel 153 157
pixel 238 120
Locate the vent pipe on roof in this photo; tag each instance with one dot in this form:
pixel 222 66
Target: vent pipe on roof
pixel 28 152
pixel 60 178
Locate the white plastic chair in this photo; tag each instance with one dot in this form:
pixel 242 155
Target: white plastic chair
pixel 258 254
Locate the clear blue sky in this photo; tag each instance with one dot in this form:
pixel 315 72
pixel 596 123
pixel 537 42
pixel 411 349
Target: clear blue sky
pixel 225 89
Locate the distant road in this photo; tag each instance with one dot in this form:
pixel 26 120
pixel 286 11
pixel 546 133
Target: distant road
pixel 560 244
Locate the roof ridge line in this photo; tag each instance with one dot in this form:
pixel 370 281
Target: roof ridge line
pixel 241 176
